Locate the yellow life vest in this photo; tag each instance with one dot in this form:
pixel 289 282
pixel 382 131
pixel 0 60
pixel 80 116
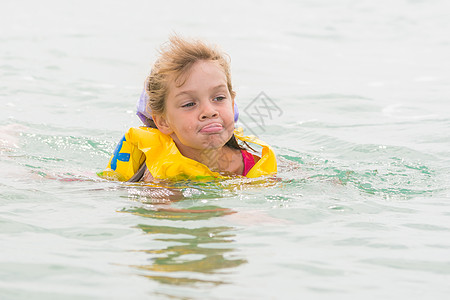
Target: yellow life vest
pixel 164 160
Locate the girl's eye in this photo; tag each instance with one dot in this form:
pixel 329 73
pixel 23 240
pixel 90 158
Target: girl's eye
pixel 219 98
pixel 190 104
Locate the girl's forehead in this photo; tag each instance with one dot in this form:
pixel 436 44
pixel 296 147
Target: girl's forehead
pixel 200 73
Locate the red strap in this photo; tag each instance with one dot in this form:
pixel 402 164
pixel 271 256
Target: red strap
pixel 249 161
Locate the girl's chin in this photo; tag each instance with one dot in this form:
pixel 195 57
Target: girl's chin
pixel 210 142
pixel 213 145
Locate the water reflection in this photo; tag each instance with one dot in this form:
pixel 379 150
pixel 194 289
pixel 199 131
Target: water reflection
pixel 171 213
pixel 192 255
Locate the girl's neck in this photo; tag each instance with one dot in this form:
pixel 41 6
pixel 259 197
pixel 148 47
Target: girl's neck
pixel 224 160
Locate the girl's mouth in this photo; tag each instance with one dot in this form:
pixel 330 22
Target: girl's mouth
pixel 212 128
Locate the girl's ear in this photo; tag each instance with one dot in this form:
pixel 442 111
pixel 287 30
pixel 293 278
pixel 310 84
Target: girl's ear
pixel 162 124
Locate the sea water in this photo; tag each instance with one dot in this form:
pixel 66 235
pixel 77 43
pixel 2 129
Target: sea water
pixel 352 95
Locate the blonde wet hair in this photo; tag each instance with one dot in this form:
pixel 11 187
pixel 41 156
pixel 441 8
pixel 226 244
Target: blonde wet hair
pixel 175 60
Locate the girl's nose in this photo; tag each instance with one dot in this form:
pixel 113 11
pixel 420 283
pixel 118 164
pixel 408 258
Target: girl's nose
pixel 208 111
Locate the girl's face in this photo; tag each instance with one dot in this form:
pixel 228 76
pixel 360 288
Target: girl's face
pixel 199 114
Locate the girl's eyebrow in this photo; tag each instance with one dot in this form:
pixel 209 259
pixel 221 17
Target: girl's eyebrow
pixel 183 93
pixel 188 92
pixel 219 87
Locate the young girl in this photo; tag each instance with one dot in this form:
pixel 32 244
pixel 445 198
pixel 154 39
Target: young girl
pixel 190 114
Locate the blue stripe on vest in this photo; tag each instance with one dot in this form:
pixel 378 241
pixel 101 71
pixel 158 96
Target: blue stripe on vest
pixel 119 156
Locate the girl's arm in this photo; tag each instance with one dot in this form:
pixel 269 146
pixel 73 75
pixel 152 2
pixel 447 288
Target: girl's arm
pixel 147 176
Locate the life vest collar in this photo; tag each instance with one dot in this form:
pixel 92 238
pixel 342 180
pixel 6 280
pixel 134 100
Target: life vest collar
pixel 164 160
